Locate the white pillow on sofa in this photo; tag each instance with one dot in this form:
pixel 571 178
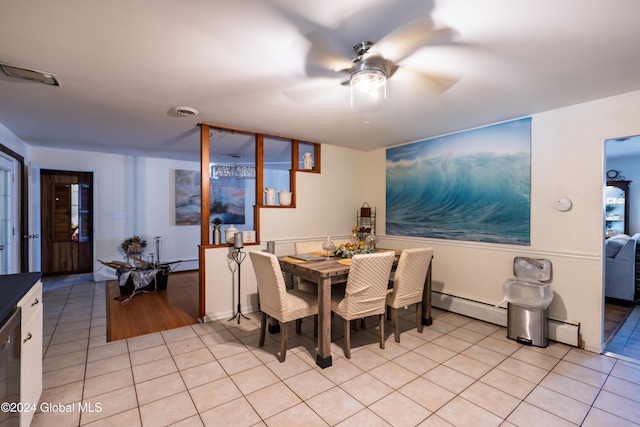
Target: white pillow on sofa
pixel 613 244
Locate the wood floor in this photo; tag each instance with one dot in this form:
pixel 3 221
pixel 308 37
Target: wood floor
pixel 614 317
pixel 153 312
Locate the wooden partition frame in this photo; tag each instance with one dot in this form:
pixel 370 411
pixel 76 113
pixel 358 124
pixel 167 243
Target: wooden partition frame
pixel 205 216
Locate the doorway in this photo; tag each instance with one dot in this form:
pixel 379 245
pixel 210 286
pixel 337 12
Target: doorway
pixel 14 257
pixel 8 247
pixel 66 222
pixel 622 272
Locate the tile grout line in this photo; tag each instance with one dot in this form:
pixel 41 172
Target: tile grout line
pixel 240 337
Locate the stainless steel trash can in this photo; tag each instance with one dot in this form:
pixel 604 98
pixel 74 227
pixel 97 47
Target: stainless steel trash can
pixel 528 297
pixel 527 325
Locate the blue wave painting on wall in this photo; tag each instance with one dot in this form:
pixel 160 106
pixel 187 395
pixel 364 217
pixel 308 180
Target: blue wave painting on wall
pixel 473 185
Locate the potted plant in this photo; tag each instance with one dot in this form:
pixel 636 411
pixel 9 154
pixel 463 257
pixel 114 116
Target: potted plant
pixel 133 245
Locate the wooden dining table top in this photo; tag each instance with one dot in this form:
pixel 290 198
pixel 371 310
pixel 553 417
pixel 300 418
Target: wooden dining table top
pixel 332 266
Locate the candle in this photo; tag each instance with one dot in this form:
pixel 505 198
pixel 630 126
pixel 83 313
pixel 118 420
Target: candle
pixel 237 241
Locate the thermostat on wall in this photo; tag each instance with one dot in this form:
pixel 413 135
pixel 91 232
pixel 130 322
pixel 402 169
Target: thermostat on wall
pixel 563 204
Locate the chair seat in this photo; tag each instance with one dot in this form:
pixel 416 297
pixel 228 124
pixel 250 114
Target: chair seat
pixel 299 304
pixel 339 306
pixel 305 247
pixel 400 301
pixel 307 286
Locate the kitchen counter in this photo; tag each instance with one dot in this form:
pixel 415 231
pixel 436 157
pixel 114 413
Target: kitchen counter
pixel 12 288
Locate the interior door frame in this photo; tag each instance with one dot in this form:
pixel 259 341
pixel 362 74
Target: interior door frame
pixel 74 255
pixel 22 223
pixel 605 167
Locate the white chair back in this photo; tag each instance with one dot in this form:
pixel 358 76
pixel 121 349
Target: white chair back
pixel 408 282
pixel 271 284
pixel 366 290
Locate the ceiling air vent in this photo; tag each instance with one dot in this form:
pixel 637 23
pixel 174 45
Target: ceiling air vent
pixel 27 74
pixel 186 111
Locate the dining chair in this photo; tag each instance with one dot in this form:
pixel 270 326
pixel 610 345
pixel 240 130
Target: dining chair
pixel 282 304
pixel 365 294
pixel 311 246
pixel 408 285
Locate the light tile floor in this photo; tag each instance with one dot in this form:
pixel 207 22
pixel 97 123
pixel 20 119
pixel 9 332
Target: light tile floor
pixel 458 372
pixel 626 343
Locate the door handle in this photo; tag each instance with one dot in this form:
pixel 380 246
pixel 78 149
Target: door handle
pixel 1 248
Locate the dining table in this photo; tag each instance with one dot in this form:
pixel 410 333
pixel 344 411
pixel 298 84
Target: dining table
pixel 328 271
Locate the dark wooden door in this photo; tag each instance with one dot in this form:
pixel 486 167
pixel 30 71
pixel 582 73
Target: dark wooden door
pixel 66 222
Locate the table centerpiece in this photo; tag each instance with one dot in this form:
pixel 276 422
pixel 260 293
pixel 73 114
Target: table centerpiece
pixel 348 250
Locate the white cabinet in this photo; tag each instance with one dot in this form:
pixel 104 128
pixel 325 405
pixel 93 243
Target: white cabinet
pixel 31 350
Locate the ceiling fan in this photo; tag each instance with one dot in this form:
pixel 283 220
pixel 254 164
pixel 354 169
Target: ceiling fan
pixel 375 62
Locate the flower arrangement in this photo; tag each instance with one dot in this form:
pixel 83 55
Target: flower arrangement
pixel 216 221
pixel 348 250
pixel 133 245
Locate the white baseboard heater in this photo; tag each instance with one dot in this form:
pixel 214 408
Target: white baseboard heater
pixel 560 331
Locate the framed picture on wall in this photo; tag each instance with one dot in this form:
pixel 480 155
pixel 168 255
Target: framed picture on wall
pixel 473 185
pixel 227 199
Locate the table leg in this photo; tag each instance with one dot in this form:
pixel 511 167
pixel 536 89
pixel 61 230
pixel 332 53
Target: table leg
pixel 274 326
pixel 426 299
pixel 323 358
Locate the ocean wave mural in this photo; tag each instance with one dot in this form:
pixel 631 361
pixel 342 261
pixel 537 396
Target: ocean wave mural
pixel 473 185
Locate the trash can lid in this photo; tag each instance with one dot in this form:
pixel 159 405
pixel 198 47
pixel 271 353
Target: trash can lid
pixel 527 293
pixel 532 268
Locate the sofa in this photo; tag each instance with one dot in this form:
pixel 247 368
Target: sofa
pixel 620 267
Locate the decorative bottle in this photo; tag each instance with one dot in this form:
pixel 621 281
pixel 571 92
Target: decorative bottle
pixel 371 240
pixel 217 235
pixel 307 161
pixel 354 240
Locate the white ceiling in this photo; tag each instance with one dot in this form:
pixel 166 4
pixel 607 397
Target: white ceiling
pixel 123 66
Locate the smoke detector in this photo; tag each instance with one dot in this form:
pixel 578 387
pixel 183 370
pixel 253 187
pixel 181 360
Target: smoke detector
pixel 185 111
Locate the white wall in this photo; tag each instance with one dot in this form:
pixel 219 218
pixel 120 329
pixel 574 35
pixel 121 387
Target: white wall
pixel 132 195
pixel 630 169
pixel 12 142
pixel 567 161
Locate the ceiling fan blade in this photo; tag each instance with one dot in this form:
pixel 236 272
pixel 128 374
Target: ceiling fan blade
pixel 407 39
pixel 309 92
pixel 434 83
pixel 327 52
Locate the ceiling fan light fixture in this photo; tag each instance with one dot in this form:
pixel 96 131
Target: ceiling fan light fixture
pixel 368 88
pixel 368 80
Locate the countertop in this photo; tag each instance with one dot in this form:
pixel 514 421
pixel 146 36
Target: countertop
pixel 12 288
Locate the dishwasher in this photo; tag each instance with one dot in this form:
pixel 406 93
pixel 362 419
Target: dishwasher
pixel 10 370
